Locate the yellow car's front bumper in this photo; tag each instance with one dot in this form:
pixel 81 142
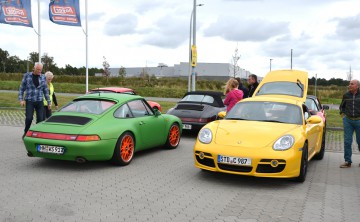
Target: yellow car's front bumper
pixel 265 162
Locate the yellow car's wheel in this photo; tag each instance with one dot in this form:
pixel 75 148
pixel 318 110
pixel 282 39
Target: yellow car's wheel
pixel 303 165
pixel 320 155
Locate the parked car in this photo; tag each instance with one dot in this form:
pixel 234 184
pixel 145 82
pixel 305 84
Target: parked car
pixel 291 83
pixel 265 136
pixel 153 105
pixel 316 108
pixel 198 108
pixel 103 126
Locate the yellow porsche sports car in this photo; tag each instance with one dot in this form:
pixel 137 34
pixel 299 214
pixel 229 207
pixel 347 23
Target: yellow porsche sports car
pixel 264 136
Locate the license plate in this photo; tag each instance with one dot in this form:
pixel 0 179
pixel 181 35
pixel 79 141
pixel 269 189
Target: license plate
pixel 234 160
pixel 187 126
pixel 50 149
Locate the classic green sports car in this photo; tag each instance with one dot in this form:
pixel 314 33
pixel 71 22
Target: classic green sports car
pixel 103 126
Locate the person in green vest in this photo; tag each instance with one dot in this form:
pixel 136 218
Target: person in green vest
pixel 47 112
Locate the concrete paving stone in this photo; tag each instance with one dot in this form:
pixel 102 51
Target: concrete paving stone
pixel 35 189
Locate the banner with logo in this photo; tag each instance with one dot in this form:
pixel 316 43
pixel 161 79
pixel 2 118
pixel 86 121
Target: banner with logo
pixel 16 12
pixel 65 12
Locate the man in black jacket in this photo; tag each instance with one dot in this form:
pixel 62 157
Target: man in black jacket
pixel 350 112
pixel 252 84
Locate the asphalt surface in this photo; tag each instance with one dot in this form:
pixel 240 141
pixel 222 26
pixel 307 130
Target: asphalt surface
pixel 164 185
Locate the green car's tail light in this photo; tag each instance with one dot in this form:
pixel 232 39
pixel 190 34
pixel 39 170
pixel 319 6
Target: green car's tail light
pixel 58 136
pixel 85 138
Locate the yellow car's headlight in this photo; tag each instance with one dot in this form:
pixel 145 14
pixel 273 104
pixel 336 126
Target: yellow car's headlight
pixel 205 135
pixel 284 143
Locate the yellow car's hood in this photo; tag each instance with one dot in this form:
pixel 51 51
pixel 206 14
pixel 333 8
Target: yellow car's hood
pixel 250 133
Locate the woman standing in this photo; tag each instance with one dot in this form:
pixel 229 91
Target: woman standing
pixel 47 112
pixel 233 94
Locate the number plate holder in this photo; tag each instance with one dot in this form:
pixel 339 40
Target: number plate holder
pixel 59 150
pixel 234 160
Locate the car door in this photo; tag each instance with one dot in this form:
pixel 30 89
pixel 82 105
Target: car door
pixel 151 127
pixel 312 132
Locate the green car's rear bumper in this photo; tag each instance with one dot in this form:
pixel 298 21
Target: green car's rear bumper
pixel 94 150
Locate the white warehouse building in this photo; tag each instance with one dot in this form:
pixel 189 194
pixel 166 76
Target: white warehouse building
pixel 210 71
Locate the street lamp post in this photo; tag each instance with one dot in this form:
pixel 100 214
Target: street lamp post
pixel 270 64
pixel 192 48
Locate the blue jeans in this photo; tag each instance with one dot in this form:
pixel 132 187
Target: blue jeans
pixel 350 126
pixel 29 113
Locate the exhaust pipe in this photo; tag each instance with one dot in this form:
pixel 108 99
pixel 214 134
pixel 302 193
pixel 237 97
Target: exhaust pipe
pixel 80 160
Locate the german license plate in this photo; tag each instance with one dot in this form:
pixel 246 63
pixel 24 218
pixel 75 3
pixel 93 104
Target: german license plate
pixel 187 126
pixel 234 160
pixel 50 149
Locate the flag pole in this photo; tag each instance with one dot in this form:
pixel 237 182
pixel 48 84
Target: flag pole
pixel 86 34
pixel 39 32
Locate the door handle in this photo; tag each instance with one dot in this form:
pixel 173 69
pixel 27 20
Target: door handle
pixel 141 123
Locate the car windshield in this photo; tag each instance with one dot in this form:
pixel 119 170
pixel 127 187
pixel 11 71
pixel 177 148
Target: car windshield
pixel 266 112
pixel 198 98
pixel 88 106
pixel 282 88
pixel 310 103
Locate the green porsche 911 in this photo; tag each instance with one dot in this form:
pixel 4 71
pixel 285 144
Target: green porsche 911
pixel 103 126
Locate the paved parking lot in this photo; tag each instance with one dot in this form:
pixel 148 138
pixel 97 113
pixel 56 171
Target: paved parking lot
pixel 164 185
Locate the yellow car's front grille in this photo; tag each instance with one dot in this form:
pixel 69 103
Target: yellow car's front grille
pixel 236 168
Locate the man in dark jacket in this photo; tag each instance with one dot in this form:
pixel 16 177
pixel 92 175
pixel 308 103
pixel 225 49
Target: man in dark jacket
pixel 350 112
pixel 252 84
pixel 243 88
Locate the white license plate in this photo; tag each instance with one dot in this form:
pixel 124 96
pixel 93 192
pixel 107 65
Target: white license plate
pixel 234 160
pixel 50 149
pixel 187 126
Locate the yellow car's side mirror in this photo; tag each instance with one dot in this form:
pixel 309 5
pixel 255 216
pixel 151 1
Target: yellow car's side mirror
pixel 314 119
pixel 222 114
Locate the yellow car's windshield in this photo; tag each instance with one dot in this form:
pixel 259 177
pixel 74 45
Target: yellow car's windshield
pixel 267 112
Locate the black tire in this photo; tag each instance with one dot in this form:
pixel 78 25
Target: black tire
pixel 173 138
pixel 320 155
pixel 303 165
pixel 124 150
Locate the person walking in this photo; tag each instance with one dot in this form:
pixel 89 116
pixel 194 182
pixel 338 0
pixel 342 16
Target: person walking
pixel 252 84
pixel 47 112
pixel 243 88
pixel 233 94
pixel 34 86
pixel 350 113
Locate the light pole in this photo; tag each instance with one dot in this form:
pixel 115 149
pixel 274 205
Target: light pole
pixel 270 64
pixel 192 49
pixel 315 82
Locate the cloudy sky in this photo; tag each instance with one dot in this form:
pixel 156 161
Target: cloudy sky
pixel 323 35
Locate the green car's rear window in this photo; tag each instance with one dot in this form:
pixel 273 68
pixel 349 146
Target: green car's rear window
pixel 88 106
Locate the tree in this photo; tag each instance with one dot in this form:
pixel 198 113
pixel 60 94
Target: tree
pixel 34 57
pixel 122 72
pixel 234 63
pixel 13 64
pixel 48 62
pixel 3 58
pixel 106 70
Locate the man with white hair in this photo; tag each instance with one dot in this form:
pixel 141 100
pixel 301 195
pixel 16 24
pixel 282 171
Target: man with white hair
pixel 350 112
pixel 35 87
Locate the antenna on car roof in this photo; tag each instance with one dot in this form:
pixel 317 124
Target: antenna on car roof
pixel 99 91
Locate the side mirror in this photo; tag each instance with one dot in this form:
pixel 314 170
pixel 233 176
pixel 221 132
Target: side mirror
pixel 157 112
pixel 222 114
pixel 314 120
pixel 325 107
